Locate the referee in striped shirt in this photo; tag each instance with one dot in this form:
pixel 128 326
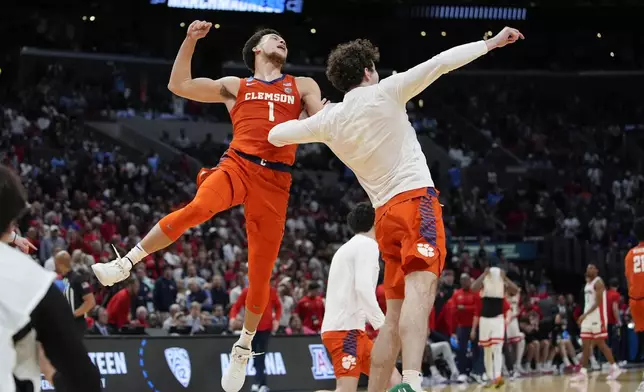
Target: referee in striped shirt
pixel 78 291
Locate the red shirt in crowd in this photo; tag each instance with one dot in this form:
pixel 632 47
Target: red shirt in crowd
pixel 108 230
pixel 463 305
pixel 526 310
pixel 119 308
pixel 311 311
pixel 612 297
pixel 272 312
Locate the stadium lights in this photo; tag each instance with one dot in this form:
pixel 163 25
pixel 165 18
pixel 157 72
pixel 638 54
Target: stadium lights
pixel 443 33
pixel 612 54
pixel 217 25
pixel 182 24
pixel 84 18
pixel 313 31
pixel 599 35
pixel 92 18
pixel 422 33
pixel 421 103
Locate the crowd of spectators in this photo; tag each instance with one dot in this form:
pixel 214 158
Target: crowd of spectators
pixel 89 195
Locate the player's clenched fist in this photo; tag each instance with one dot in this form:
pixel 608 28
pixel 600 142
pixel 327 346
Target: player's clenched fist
pixel 198 29
pixel 507 36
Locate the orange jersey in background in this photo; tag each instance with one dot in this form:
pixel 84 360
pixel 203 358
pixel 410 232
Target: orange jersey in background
pixel 261 105
pixel 634 267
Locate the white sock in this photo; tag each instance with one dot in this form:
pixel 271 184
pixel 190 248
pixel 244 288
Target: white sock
pixel 246 338
pixel 136 254
pixel 413 378
pixel 488 360
pixel 497 351
pixel 575 360
pixel 434 371
pixel 566 361
pixel 520 349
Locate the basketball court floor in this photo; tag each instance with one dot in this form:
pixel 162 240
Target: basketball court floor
pixel 627 382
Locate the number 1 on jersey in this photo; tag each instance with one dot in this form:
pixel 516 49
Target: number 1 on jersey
pixel 271 111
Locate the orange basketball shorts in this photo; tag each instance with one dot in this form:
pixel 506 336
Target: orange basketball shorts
pixel 411 237
pixel 637 312
pixel 264 192
pixel 350 352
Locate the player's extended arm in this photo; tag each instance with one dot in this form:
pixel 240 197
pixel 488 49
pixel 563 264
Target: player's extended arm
pixel 513 288
pixel 406 85
pixel 366 288
pixel 478 283
pixel 311 95
pixel 199 89
pixel 308 130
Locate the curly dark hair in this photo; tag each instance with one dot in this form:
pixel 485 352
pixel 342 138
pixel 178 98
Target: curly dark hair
pixel 346 63
pixel 248 54
pixel 362 218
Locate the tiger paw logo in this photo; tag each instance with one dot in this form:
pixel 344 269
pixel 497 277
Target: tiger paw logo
pixel 425 250
pixel 349 362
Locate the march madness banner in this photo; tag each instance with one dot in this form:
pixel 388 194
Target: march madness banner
pixel 178 364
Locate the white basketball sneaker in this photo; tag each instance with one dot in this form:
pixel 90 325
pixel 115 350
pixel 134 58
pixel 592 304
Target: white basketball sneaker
pixel 113 272
pixel 233 379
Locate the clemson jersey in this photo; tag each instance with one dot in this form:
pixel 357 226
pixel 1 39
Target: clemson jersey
pixel 260 105
pixel 634 267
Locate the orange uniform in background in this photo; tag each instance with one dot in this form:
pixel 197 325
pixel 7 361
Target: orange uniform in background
pixel 634 267
pixel 350 352
pixel 254 173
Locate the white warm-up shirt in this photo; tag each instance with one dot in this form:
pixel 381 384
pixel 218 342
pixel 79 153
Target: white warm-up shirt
pixel 23 284
pixel 370 131
pixel 351 290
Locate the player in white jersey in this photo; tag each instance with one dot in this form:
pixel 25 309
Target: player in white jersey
pixel 593 324
pixel 492 320
pixel 516 338
pixel 370 132
pixel 32 307
pixel 351 301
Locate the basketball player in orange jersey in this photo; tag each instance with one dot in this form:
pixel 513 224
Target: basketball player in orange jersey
pixel 634 267
pixel 252 172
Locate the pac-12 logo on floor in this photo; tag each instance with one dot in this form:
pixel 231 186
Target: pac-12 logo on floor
pixel 179 362
pixel 322 368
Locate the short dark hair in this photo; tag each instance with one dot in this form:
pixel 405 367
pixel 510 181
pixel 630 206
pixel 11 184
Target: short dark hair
pixel 248 54
pixel 613 282
pixel 13 198
pixel 361 218
pixel 346 63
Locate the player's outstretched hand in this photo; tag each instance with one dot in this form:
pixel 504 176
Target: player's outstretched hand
pixel 198 29
pixel 24 244
pixel 507 36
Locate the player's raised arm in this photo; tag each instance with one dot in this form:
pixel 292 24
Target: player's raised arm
pixel 199 89
pixel 406 85
pixel 311 95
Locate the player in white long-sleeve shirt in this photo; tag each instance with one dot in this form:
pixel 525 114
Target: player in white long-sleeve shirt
pixel 371 133
pixel 351 301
